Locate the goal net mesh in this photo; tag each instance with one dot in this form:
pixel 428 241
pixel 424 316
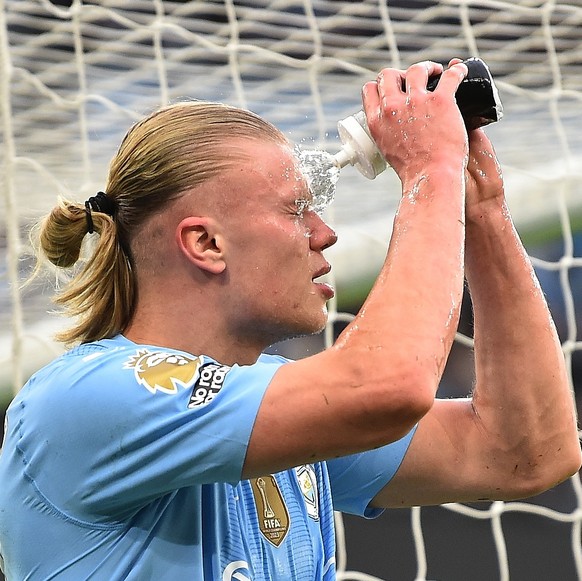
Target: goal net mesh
pixel 75 74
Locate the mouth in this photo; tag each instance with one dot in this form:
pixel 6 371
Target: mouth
pixel 323 271
pixel 324 287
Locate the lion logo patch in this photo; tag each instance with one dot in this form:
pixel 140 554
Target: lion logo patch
pixel 163 371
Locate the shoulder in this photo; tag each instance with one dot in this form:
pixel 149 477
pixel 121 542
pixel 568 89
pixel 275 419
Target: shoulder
pixel 123 369
pixel 132 381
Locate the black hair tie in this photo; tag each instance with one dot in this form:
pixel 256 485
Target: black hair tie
pixel 101 202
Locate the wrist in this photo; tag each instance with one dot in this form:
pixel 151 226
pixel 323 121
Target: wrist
pixel 442 179
pixel 489 210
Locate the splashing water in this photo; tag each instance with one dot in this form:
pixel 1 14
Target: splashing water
pixel 321 172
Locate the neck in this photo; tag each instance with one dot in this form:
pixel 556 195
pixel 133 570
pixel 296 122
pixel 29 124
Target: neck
pixel 193 334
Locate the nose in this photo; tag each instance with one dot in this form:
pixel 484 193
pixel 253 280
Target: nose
pixel 322 234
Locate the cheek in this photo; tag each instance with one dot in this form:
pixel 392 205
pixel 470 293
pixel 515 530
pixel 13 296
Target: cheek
pixel 290 244
pixel 275 253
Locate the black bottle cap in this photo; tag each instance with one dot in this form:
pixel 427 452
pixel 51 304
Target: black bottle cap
pixel 477 96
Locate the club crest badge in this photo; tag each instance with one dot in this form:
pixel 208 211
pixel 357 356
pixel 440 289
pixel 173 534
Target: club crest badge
pixel 271 509
pixel 163 371
pixel 308 485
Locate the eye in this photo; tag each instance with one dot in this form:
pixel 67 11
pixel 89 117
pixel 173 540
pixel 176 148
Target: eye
pixel 301 205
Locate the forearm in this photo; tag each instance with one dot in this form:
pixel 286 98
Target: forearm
pixel 411 314
pixel 407 324
pixel 522 395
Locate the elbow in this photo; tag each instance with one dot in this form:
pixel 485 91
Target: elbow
pixel 561 462
pixel 571 460
pixel 564 464
pixel 418 396
pixel 547 470
pixel 401 401
pixel 419 387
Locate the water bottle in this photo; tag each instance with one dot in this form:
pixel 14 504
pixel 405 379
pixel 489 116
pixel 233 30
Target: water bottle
pixel 477 99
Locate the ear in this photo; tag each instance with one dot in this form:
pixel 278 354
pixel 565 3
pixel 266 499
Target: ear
pixel 200 241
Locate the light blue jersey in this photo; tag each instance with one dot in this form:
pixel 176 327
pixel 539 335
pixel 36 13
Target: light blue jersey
pixel 124 461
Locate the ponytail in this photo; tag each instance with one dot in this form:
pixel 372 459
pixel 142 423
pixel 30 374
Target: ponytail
pixel 100 295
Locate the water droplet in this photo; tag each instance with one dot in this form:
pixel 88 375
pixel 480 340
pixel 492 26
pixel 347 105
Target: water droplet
pixel 322 173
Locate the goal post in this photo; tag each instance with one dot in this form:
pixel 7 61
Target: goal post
pixel 75 74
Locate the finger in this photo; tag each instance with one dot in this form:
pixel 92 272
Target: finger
pixel 482 153
pixel 454 61
pixel 390 81
pixel 478 141
pixel 370 96
pixel 452 77
pixel 377 94
pixel 418 74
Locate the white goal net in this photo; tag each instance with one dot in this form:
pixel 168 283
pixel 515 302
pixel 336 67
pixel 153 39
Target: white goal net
pixel 75 74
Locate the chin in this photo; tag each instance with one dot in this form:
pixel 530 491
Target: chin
pixel 310 323
pixel 314 325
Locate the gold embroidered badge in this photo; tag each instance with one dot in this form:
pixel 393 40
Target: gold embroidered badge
pixel 271 509
pixel 163 371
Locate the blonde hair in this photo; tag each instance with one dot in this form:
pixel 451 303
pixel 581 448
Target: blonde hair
pixel 169 152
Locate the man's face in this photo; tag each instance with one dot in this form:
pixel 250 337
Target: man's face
pixel 274 245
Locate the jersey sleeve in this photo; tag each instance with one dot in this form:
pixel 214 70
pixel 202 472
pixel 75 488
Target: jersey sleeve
pixel 356 479
pixel 108 432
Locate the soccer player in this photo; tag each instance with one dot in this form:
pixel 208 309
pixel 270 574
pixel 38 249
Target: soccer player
pixel 167 445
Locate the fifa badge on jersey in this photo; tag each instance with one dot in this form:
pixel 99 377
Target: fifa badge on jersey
pixel 308 485
pixel 163 371
pixel 272 512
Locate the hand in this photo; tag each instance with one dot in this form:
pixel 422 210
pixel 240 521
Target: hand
pixel 415 128
pixel 483 177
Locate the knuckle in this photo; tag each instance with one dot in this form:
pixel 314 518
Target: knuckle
pixel 369 85
pixel 386 71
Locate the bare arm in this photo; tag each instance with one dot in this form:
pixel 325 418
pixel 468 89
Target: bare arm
pixel 517 435
pixel 381 376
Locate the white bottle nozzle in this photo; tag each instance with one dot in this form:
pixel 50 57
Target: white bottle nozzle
pixel 321 169
pixel 344 156
pixel 358 147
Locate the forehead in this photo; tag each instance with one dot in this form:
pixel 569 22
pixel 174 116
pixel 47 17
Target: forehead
pixel 264 167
